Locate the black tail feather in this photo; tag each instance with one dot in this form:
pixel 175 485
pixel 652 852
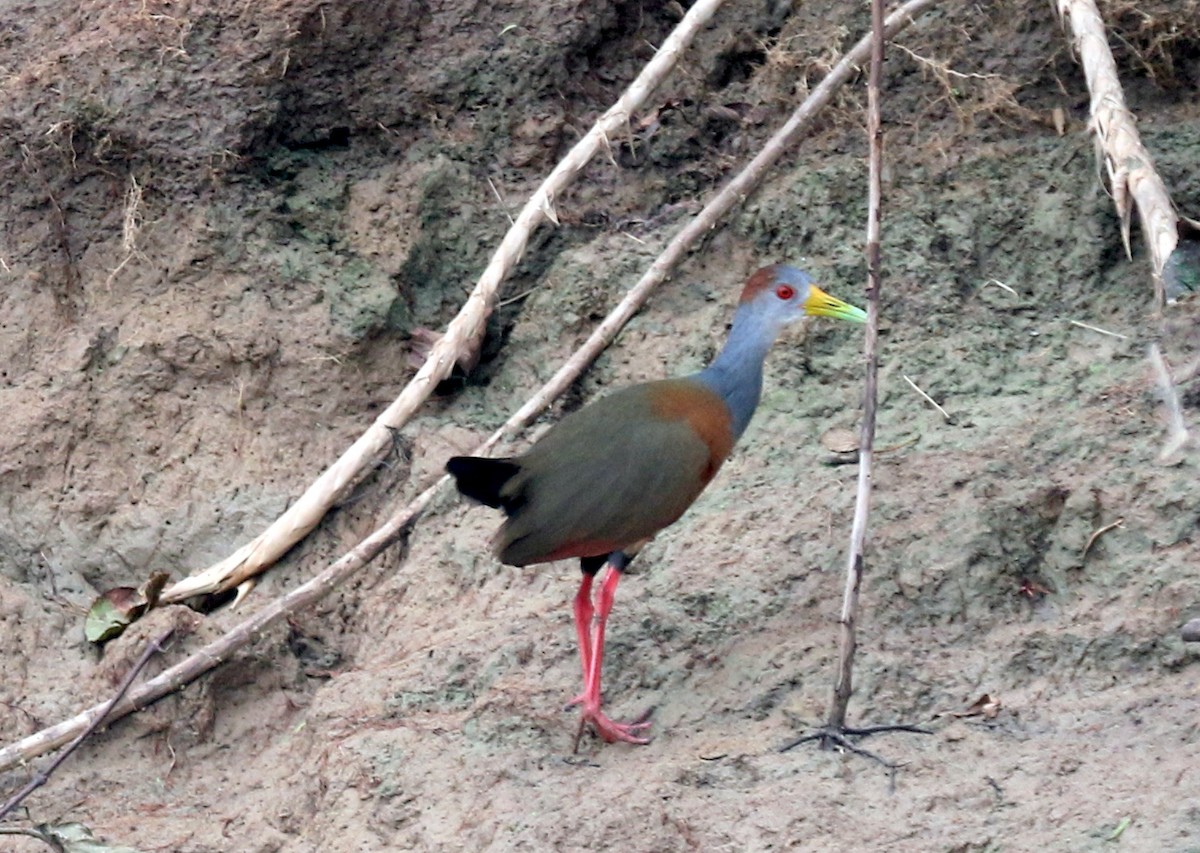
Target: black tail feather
pixel 482 479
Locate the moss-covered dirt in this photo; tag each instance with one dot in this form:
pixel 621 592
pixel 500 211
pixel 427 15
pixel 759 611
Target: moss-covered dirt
pixel 225 231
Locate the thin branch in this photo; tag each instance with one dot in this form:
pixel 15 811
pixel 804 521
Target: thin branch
pixel 998 283
pixel 500 199
pixel 221 649
pixel 847 639
pixel 153 647
pixel 460 343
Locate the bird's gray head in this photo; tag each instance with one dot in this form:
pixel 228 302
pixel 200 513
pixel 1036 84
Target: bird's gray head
pixel 787 293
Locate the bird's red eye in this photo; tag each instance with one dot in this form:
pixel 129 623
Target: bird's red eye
pixel 785 292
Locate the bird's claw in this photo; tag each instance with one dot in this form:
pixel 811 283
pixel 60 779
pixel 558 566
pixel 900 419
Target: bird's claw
pixel 610 730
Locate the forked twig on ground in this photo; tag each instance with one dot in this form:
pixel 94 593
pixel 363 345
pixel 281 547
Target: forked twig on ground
pixel 839 738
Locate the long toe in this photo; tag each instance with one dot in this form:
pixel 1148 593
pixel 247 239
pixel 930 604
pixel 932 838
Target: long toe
pixel 613 731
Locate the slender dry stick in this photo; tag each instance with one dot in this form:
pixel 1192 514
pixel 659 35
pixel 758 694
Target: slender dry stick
pixel 847 639
pixel 460 343
pixel 1096 534
pixel 153 647
pixel 1176 426
pixel 1098 330
pixel 949 419
pixel 221 649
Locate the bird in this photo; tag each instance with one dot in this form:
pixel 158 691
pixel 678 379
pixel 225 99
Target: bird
pixel 599 484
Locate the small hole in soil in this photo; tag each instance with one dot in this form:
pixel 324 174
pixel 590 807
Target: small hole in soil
pixel 736 65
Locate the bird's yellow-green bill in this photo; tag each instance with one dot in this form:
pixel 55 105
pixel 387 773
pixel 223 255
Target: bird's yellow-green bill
pixel 821 304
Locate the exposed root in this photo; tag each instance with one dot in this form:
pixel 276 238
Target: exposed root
pixel 834 737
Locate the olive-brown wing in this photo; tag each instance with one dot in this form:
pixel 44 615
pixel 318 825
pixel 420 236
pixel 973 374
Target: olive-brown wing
pixel 615 472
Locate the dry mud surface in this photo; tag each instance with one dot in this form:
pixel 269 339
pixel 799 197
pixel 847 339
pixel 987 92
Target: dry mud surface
pixel 224 226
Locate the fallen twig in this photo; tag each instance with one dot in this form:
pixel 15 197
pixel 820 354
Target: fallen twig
pixel 1097 534
pixel 1098 330
pixel 930 400
pixel 1177 429
pixel 998 283
pixel 460 343
pixel 102 714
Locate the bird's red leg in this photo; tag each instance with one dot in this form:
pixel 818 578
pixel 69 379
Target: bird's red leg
pixel 590 698
pixel 584 613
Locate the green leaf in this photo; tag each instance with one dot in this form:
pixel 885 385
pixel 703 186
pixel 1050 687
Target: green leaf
pixel 77 838
pixel 1120 830
pixel 111 614
pixel 118 608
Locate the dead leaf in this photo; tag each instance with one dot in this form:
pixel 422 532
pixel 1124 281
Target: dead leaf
pixel 985 706
pixel 839 440
pixel 77 838
pixel 118 608
pixel 1033 590
pixel 421 341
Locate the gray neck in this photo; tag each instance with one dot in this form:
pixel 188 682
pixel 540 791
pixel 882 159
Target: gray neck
pixel 736 373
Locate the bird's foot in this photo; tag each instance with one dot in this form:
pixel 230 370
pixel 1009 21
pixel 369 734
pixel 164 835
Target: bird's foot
pixel 610 730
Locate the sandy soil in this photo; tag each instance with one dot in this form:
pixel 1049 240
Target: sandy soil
pixel 223 224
